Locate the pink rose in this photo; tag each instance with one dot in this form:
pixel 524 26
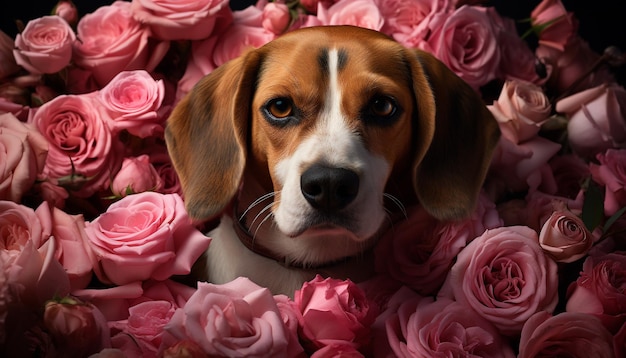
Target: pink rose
pixel 23 152
pixel 610 172
pixel 236 318
pixel 520 110
pixel 77 328
pixel 53 194
pixel 112 41
pixel 290 319
pixel 517 59
pixel 276 17
pixel 312 5
pixel 599 290
pixel 361 13
pixel 337 350
pixel 113 301
pixel 505 277
pixel 596 119
pixel 540 206
pixel 134 99
pixel 67 10
pixel 170 183
pixel 466 41
pixel 83 154
pixel 564 236
pixel 424 327
pixel 185 348
pixel 420 250
pixel 135 176
pixel 320 301
pixel 558 25
pixel 8 66
pixel 179 20
pixel 142 236
pixel 565 335
pixel 45 45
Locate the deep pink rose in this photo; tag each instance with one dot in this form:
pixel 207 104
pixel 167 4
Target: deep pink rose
pixel 133 99
pixel 23 152
pixel 505 277
pixel 558 25
pixel 236 318
pixel 601 290
pixel 467 42
pixel 312 5
pixel 424 327
pixel 276 17
pixel 179 20
pixel 142 236
pixel 45 45
pixel 361 13
pixel 67 10
pixel 597 119
pixel 520 110
pixel 565 335
pixel 342 302
pixel 8 66
pixel 610 172
pixel 564 236
pixel 420 250
pixel 136 176
pixel 82 154
pixel 78 328
pixel 112 41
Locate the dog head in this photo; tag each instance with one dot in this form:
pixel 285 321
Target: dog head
pixel 327 122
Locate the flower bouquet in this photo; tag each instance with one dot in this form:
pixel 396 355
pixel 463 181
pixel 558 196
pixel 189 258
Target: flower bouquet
pixel 97 251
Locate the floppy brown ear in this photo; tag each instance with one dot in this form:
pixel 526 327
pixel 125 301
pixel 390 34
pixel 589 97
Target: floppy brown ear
pixel 449 172
pixel 206 135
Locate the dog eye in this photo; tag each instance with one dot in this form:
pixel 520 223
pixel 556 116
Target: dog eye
pixel 279 108
pixel 382 106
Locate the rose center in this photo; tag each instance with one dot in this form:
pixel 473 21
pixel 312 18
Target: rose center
pixel 503 281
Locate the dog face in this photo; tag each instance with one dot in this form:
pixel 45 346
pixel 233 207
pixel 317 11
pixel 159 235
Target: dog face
pixel 318 127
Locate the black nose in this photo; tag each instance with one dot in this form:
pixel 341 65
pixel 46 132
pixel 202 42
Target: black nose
pixel 329 189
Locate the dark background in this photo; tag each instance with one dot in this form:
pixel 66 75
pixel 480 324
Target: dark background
pixel 602 22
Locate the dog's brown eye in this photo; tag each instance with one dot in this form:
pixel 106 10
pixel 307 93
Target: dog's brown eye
pixel 280 108
pixel 383 106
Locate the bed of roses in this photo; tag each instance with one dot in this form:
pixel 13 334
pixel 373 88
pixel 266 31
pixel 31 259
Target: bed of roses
pixel 96 248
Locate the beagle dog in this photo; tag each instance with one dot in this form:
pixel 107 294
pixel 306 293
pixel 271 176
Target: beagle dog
pixel 311 146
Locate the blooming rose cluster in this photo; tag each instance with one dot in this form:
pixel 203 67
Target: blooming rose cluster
pixel 97 251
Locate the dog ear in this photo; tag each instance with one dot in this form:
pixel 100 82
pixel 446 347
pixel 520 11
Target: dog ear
pixel 457 134
pixel 206 135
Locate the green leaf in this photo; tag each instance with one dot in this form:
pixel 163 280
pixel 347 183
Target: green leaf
pixel 593 206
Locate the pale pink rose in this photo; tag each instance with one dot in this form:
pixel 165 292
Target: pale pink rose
pixel 53 193
pixel 136 175
pixel 610 172
pixel 142 236
pixel 564 236
pixel 238 318
pixel 134 99
pixel 361 13
pixel 276 17
pixel 596 119
pixel 112 41
pixel 505 277
pixel 23 152
pixel 565 335
pixel 558 25
pixel 569 171
pixel 67 10
pixel 342 302
pixel 8 66
pixel 521 110
pixel 83 155
pixel 113 301
pixel 443 328
pixel 420 250
pixel 45 45
pixel 467 42
pixel 599 290
pixel 77 328
pixel 179 20
pixel 407 21
pixel 290 319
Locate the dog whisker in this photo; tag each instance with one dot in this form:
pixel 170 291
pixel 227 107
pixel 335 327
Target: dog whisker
pixel 269 215
pixel 257 202
pixel 267 207
pixel 398 203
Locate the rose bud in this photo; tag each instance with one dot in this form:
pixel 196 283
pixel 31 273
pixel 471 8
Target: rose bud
pixel 564 237
pixel 67 10
pixel 136 176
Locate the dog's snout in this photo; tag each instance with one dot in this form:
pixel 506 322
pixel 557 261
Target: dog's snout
pixel 329 189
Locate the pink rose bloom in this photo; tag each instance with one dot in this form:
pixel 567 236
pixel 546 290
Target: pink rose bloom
pixel 505 277
pixel 276 17
pixel 142 236
pixel 77 328
pixel 238 318
pixel 290 319
pixel 560 25
pixel 443 328
pixel 599 290
pixel 134 99
pixel 53 194
pixel 135 176
pixel 564 236
pixel 610 172
pixel 23 152
pixel 565 335
pixel 596 119
pixel 361 13
pixel 112 41
pixel 67 10
pixel 520 110
pixel 179 20
pixel 337 350
pixel 169 183
pixel 466 41
pixel 45 45
pixel 420 250
pixel 8 66
pixel 342 302
pixel 83 154
pixel 541 206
